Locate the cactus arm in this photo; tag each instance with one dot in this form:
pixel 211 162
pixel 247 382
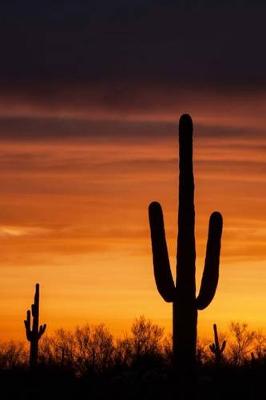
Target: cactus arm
pixel 162 271
pixel 211 269
pixel 27 326
pixel 41 330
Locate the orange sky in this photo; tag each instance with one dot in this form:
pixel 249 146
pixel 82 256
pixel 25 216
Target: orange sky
pixel 73 208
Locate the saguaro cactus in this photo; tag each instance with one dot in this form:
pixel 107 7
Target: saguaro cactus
pixel 35 332
pixel 183 294
pixel 216 348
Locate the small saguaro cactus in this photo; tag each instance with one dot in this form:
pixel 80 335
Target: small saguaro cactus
pixel 215 347
pixel 183 293
pixel 35 332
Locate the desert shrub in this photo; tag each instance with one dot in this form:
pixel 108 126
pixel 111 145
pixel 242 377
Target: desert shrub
pixel 12 354
pixel 94 349
pixel 241 344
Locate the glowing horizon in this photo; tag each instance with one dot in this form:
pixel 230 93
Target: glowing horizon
pixel 74 212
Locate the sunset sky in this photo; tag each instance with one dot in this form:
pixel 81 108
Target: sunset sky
pixel 90 100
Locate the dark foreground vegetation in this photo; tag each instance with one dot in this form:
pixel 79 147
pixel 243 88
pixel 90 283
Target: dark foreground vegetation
pixel 89 363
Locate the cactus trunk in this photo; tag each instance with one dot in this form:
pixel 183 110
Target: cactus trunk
pixel 33 353
pixel 184 307
pixel 183 293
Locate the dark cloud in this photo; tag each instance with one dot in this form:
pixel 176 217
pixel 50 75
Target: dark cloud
pixel 109 131
pixel 39 129
pixel 172 43
pixel 64 130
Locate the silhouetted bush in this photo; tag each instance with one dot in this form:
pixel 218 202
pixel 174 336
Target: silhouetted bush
pixel 94 349
pixel 12 355
pixel 241 344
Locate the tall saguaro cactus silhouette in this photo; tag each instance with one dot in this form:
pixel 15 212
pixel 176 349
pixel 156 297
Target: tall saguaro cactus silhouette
pixel 183 293
pixel 35 332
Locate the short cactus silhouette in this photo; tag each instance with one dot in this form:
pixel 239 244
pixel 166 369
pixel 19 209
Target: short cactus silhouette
pixel 183 294
pixel 35 332
pixel 215 347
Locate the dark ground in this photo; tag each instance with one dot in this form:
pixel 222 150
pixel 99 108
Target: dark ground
pixel 137 382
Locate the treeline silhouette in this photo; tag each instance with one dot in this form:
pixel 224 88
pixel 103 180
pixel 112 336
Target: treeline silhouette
pixel 89 361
